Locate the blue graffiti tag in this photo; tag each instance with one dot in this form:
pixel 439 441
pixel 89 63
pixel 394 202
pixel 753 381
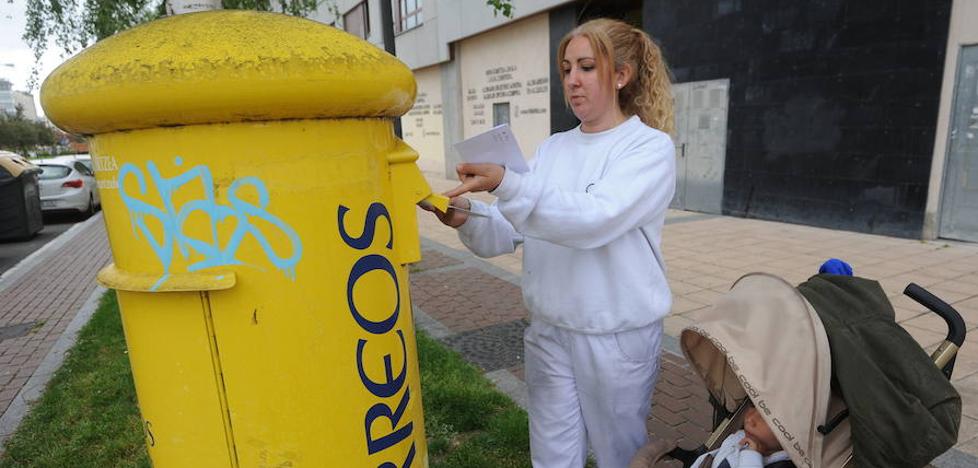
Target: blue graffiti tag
pixel 173 219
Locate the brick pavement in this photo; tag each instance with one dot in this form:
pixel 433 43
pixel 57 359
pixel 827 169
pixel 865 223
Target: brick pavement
pixel 40 302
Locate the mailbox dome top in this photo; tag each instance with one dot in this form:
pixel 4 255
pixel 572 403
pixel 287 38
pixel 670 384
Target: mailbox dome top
pixel 225 66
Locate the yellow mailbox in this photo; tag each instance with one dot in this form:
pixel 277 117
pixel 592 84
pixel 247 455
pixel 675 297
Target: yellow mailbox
pixel 261 213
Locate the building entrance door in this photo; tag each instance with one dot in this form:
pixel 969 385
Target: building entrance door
pixel 959 206
pixel 701 144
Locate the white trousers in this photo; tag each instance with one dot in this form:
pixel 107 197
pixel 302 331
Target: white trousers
pixel 589 388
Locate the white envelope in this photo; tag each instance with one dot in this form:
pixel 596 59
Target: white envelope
pixel 497 146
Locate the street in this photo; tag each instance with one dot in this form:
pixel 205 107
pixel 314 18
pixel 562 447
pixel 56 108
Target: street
pixel 13 251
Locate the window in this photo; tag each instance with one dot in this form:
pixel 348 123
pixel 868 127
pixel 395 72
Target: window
pixel 83 169
pixel 407 14
pixel 54 172
pixel 357 21
pixel 88 163
pixel 500 113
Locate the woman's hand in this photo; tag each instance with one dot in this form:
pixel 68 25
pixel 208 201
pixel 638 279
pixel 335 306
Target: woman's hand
pixel 481 177
pixel 453 218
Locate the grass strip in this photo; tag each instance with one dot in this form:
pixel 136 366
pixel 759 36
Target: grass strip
pixel 468 422
pixel 88 416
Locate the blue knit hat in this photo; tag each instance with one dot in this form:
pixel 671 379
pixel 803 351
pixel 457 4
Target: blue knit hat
pixel 834 266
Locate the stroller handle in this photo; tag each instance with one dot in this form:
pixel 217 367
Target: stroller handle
pixel 955 324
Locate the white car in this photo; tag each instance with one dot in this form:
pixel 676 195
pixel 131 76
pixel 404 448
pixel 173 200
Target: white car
pixel 68 184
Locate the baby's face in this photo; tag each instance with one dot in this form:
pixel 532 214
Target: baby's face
pixel 758 430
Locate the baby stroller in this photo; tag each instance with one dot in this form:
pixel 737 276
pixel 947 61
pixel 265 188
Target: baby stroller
pixel 835 378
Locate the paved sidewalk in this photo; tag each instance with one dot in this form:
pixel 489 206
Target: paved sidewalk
pixel 474 305
pixel 40 299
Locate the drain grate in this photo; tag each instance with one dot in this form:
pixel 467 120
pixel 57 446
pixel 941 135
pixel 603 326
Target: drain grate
pixel 16 331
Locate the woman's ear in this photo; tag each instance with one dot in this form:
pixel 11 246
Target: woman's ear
pixel 623 76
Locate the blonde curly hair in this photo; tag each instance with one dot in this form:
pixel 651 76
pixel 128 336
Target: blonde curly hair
pixel 648 95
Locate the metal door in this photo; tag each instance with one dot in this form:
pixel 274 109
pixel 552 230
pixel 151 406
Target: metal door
pixel 701 144
pixel 680 94
pixel 959 206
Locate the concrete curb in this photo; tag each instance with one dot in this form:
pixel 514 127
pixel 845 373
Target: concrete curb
pixel 503 379
pixel 432 327
pixel 512 386
pixel 35 386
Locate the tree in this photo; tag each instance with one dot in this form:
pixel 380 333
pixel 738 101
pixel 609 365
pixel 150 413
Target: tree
pixel 23 135
pixel 504 7
pixel 75 24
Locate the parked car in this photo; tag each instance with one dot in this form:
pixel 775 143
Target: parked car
pixel 68 184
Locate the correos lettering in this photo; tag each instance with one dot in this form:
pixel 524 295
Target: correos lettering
pixel 392 383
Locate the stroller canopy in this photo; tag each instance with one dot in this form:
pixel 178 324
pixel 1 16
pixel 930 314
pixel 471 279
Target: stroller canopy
pixel 903 412
pixel 765 341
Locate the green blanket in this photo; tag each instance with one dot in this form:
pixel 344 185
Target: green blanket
pixel 903 411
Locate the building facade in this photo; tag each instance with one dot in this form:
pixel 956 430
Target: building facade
pixel 7 103
pixel 474 69
pixel 26 103
pixel 855 115
pixel 10 100
pixel 951 210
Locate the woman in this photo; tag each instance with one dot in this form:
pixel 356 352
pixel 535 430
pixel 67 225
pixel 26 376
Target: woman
pixel 589 215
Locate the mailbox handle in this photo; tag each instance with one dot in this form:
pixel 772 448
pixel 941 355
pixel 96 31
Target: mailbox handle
pixel 116 278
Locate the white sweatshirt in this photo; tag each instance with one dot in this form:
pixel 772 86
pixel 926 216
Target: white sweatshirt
pixel 590 215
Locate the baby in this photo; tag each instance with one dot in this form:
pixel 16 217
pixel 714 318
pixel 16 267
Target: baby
pixel 753 447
